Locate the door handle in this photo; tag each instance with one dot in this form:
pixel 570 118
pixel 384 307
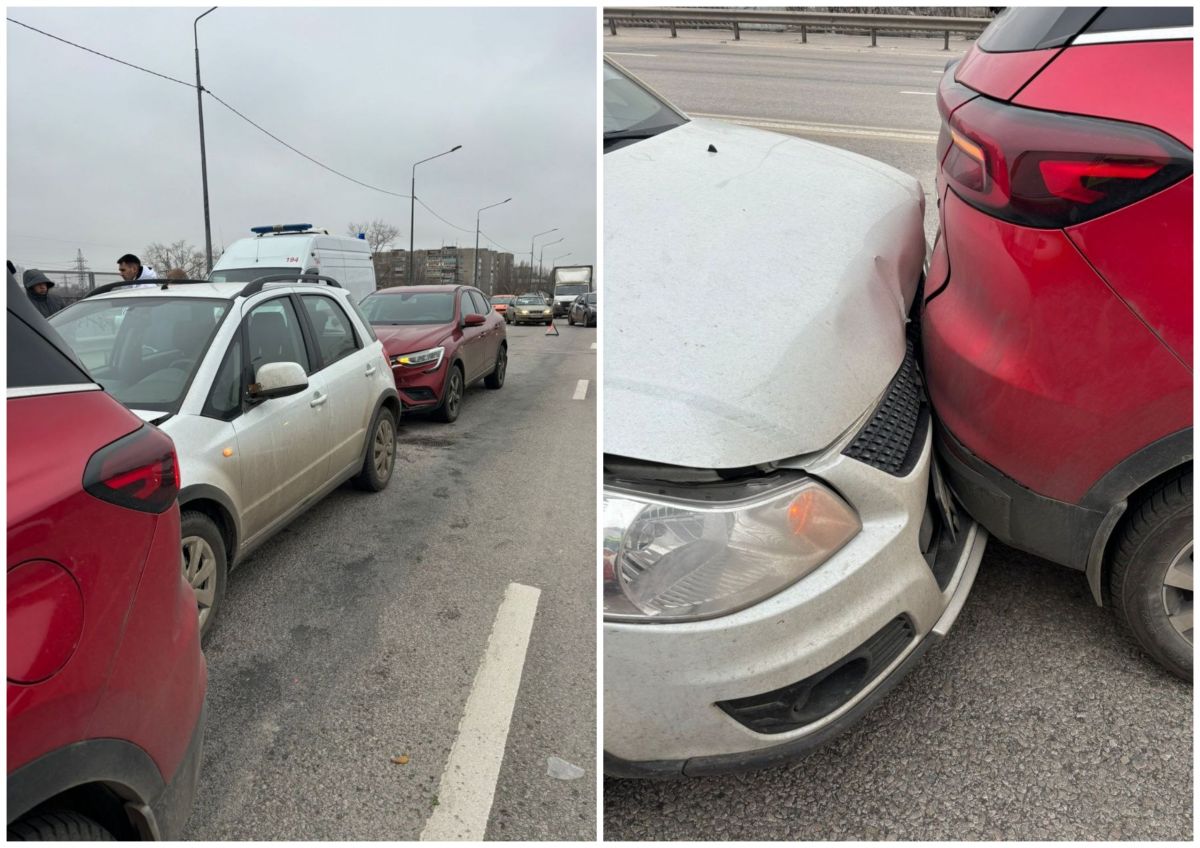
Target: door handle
pixel 318 399
pixel 370 369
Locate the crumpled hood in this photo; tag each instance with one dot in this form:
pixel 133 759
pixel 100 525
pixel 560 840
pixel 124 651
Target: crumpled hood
pixel 757 294
pixel 410 338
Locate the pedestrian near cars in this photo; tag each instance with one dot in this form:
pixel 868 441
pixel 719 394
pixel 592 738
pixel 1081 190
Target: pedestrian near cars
pixel 37 286
pixel 131 269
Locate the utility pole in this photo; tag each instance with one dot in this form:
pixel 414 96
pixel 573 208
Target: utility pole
pixel 531 241
pixel 203 157
pixel 542 253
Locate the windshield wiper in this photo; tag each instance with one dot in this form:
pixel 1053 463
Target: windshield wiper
pixel 635 135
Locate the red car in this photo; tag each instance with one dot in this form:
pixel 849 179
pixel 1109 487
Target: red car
pixel 1057 324
pixel 439 340
pixel 106 681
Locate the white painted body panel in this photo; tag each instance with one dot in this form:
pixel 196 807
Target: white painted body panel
pixel 762 293
pixel 346 259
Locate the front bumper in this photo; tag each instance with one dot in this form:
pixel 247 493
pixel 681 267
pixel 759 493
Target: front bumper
pixel 539 318
pixel 663 683
pixel 421 389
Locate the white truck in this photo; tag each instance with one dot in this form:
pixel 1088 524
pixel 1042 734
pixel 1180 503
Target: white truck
pixel 570 281
pixel 298 248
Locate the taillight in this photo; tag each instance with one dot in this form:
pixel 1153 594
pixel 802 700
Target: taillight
pixel 138 471
pixel 1049 169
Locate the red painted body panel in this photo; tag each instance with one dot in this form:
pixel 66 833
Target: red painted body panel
pixel 1000 75
pixel 1034 363
pixel 1146 82
pixel 1154 274
pixel 45 620
pixel 135 656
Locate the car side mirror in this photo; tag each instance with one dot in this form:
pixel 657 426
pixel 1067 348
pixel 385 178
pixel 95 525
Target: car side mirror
pixel 278 379
pixel 473 320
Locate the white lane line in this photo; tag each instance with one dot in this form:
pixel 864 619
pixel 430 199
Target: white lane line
pixel 593 345
pixel 580 390
pixel 926 93
pixel 802 127
pixel 468 784
pixel 610 53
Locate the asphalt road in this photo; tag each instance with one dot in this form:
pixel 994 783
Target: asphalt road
pixel 356 634
pixel 1036 718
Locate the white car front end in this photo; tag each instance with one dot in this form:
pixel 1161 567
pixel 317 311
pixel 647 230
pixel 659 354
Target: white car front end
pixel 774 560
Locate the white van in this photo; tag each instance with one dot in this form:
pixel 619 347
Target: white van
pixel 288 248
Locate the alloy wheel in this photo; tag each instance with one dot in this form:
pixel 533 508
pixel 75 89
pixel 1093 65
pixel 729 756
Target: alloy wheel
pixel 385 448
pixel 200 571
pixel 1177 592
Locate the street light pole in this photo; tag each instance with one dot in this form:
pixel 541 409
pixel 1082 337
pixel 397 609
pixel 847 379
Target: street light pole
pixel 203 157
pixel 531 241
pixel 561 256
pixel 412 210
pixel 542 253
pixel 475 277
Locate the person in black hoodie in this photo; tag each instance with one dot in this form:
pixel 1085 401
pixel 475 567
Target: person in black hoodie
pixel 37 286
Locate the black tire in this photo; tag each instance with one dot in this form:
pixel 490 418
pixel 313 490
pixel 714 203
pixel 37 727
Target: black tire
pixel 380 460
pixel 570 320
pixel 456 387
pixel 57 826
pixel 495 380
pixel 1156 536
pixel 196 525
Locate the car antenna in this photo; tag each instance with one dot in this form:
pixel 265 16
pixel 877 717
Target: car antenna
pixel 712 148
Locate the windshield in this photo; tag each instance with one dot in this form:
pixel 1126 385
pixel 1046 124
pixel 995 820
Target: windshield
pixel 410 308
pixel 576 290
pixel 530 301
pixel 503 298
pixel 631 112
pixel 246 275
pixel 143 351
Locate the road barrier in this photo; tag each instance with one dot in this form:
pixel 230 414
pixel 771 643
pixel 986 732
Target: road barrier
pixel 735 18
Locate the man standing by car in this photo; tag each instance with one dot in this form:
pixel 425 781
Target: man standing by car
pixel 131 269
pixel 37 286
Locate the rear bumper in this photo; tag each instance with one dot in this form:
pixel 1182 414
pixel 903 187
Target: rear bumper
pixel 173 806
pixel 1020 517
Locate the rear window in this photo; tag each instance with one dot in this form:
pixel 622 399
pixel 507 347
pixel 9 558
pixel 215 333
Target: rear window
pixel 1020 28
pixel 33 361
pixel 1127 18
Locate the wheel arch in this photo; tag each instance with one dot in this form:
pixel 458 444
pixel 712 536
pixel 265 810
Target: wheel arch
pixel 214 503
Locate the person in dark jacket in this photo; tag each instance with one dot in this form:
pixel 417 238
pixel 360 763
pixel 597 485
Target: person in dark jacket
pixel 37 286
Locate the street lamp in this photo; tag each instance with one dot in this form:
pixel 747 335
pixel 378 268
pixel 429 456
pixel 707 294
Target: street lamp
pixel 562 256
pixel 542 253
pixel 412 208
pixel 203 158
pixel 531 241
pixel 475 278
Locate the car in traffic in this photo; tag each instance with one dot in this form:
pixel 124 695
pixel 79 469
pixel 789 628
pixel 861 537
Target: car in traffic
pixel 439 341
pixel 1057 322
pixel 584 310
pixel 106 681
pixel 276 392
pixel 531 309
pixel 501 303
pixel 778 548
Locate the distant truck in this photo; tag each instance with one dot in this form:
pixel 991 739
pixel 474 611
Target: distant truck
pixel 296 248
pixel 570 281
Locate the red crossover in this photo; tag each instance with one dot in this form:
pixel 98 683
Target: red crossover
pixel 1057 323
pixel 106 680
pixel 439 340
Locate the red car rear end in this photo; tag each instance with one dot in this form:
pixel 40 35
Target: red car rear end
pixel 1057 325
pixel 106 681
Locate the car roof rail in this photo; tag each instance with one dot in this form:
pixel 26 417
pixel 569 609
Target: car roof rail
pixel 160 282
pixel 255 286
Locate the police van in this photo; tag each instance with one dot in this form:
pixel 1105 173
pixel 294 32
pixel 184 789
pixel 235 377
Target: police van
pixel 289 248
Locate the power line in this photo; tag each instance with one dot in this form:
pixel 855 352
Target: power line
pixel 103 55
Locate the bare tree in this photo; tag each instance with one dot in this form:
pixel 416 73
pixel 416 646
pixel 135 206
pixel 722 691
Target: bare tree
pixel 378 233
pixel 180 254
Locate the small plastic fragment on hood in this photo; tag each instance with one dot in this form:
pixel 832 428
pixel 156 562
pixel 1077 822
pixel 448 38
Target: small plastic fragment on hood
pixel 562 770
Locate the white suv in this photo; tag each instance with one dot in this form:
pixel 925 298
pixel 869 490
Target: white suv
pixel 275 392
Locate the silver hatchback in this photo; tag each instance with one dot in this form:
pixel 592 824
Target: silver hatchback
pixel 275 393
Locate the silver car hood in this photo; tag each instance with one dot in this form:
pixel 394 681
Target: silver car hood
pixel 757 295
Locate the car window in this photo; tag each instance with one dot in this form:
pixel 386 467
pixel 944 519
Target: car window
pixel 274 335
pixel 482 307
pixel 466 306
pixel 335 334
pixel 631 111
pixel 401 307
pixel 591 298
pixel 225 398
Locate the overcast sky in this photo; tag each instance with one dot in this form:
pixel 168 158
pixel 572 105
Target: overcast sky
pixel 105 158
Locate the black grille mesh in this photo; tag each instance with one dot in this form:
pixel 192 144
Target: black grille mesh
pixel 886 442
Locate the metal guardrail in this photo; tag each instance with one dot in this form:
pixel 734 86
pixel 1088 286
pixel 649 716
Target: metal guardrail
pixel 735 18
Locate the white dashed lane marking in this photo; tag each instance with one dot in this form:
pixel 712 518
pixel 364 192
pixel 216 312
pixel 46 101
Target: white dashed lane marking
pixel 581 390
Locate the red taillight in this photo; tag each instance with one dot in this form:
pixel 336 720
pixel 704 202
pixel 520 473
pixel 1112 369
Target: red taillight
pixel 138 471
pixel 1050 169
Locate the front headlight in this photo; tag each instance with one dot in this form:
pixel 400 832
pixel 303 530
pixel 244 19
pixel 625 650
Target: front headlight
pixel 670 559
pixel 522 311
pixel 431 357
